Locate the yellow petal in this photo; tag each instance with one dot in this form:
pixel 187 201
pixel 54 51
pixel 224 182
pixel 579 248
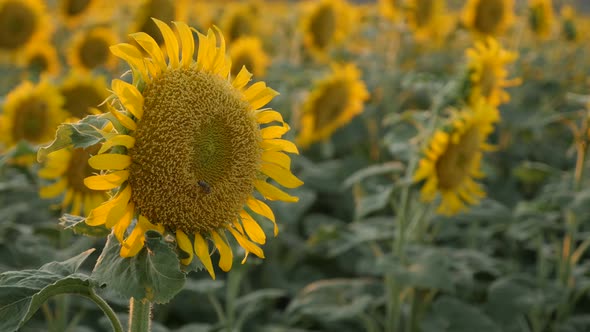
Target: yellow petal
pixel 262 98
pixel 117 140
pixel 273 193
pixel 109 161
pixel 121 226
pixel 87 204
pixel 68 198
pixel 263 210
pixel 133 243
pixel 187 41
pixel 242 78
pixel 170 41
pixel 247 245
pixel 252 228
pixel 106 181
pixel 226 256
pixel 54 189
pixel 202 251
pixel 283 176
pixel 98 216
pixel 124 120
pixel 269 116
pixel 133 57
pixel 279 145
pixel 185 245
pixel 52 173
pixel 278 158
pixel 129 97
pixel 152 48
pixel 118 210
pixel 274 131
pixel 76 204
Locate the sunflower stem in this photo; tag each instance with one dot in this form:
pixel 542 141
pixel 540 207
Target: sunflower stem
pixel 139 315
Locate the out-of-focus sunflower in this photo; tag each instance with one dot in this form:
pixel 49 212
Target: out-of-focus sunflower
pixel 74 12
pixel 334 101
pixel 23 24
pixel 427 19
pixel 239 21
pixel 42 58
pixel 248 51
pixel 90 49
pixel 325 24
pixel 31 113
pixel 389 8
pixel 83 93
pixel 569 27
pixel 165 10
pixel 65 171
pixel 452 160
pixel 487 63
pixel 193 151
pixel 488 17
pixel 541 17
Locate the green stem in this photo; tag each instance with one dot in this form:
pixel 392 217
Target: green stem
pixel 108 311
pixel 139 315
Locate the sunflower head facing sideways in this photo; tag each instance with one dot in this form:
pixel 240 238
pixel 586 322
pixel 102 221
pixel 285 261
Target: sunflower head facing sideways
pixel 325 24
pixel 83 93
pixel 23 23
pixel 488 74
pixel 248 51
pixel 334 101
pixel 541 17
pixel 42 59
pixel 427 19
pixel 452 160
pixel 89 49
pixel 192 151
pixel 488 17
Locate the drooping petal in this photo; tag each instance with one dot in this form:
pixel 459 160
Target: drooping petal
pixel 283 176
pixel 263 210
pixel 185 245
pixel 54 189
pixel 226 256
pixel 273 193
pixel 152 48
pixel 252 228
pixel 129 96
pixel 247 245
pixel 202 251
pixel 133 57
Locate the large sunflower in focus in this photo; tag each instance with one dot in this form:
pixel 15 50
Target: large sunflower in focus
pixel 31 113
pixel 83 93
pixel 325 24
pixel 488 17
pixel 23 23
pixel 42 58
pixel 452 160
pixel 193 150
pixel 248 51
pixel 487 63
pixel 541 17
pixel 66 170
pixel 90 49
pixel 165 10
pixel 332 104
pixel 427 19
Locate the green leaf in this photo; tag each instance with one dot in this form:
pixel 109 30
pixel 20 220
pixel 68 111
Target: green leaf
pixel 77 224
pixel 23 292
pixel 452 315
pixel 374 202
pixel 153 274
pixel 81 134
pixel 385 168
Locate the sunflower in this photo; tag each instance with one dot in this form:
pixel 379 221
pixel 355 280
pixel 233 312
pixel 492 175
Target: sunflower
pixel 192 152
pixel 42 58
pixel 73 12
pixel 452 160
pixel 31 113
pixel 488 74
pixel 334 101
pixel 90 49
pixel 326 24
pixel 248 51
pixel 66 170
pixel 239 21
pixel 569 28
pixel 488 17
pixel 165 10
pixel 426 18
pixel 82 93
pixel 389 8
pixel 23 23
pixel 541 17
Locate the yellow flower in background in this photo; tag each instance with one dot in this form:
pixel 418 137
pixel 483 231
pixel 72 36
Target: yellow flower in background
pixel 42 58
pixel 239 20
pixel 487 63
pixel 193 150
pixel 248 51
pixel 31 113
pixel 452 160
pixel 325 24
pixel 83 93
pixel 89 49
pixel 389 8
pixel 541 17
pixel 66 170
pixel 73 12
pixel 165 10
pixel 427 19
pixel 569 28
pixel 488 17
pixel 334 101
pixel 23 23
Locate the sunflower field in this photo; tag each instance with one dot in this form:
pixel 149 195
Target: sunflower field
pixel 295 166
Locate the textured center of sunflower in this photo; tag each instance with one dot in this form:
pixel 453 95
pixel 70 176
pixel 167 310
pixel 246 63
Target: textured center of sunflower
pixel 243 59
pixel 78 168
pixel 330 104
pixel 196 154
pixel 488 15
pixel 18 23
pixel 80 98
pixel 240 26
pixel 323 26
pixel 38 63
pixel 424 12
pixel 94 51
pixel 454 165
pixel 30 121
pixel 75 7
pixel 163 10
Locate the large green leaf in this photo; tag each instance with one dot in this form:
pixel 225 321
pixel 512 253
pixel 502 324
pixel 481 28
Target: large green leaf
pixel 79 226
pixel 453 315
pixel 23 292
pixel 153 274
